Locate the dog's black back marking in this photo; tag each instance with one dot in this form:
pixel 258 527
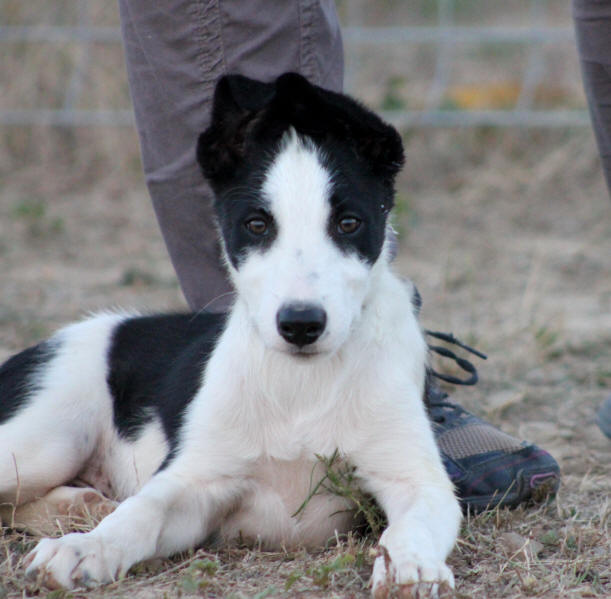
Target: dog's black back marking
pixel 155 367
pixel 18 378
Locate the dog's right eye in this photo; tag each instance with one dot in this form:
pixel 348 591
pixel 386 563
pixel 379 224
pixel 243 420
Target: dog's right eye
pixel 256 226
pixel 348 225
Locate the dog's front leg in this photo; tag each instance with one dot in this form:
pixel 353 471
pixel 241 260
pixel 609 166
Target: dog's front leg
pixel 405 474
pixel 413 549
pixel 172 512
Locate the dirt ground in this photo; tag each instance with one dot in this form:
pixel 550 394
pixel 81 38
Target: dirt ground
pixel 508 237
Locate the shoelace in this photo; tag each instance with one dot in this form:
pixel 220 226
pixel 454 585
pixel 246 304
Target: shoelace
pixel 434 396
pixel 448 353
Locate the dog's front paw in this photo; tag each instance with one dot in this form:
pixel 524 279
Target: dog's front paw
pixel 73 560
pixel 407 574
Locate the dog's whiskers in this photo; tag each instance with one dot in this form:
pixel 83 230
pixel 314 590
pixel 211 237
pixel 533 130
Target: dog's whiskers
pixel 214 299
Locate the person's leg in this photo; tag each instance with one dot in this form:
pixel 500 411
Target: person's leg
pixel 593 33
pixel 175 52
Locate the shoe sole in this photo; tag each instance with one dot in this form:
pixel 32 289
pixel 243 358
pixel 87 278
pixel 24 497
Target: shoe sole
pixel 532 486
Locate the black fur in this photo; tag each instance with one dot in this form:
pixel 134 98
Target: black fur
pixel 248 115
pixel 249 120
pixel 359 194
pixel 18 378
pixel 155 366
pixel 240 203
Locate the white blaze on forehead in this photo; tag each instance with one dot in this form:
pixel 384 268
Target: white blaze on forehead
pixel 298 187
pixel 302 263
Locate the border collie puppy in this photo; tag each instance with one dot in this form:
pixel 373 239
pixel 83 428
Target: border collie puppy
pixel 208 424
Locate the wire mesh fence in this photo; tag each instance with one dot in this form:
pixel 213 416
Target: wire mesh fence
pixel 421 62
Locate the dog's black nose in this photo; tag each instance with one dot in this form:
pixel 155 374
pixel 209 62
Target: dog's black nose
pixel 301 324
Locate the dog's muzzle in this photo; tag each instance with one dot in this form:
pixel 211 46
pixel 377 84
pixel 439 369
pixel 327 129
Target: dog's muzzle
pixel 301 324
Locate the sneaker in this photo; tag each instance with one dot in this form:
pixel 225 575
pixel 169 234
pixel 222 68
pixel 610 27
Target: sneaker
pixel 488 467
pixel 604 417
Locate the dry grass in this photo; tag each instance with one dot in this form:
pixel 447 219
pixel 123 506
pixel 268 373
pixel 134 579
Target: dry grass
pixel 508 236
pixel 572 560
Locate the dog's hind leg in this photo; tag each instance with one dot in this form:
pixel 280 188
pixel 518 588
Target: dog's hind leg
pixel 54 405
pixel 63 509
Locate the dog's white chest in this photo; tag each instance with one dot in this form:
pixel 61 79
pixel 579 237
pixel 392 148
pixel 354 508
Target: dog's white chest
pixel 285 506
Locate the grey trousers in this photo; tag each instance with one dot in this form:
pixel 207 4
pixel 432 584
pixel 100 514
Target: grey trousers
pixel 175 52
pixel 593 30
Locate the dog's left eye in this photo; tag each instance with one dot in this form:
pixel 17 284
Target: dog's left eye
pixel 348 224
pixel 257 226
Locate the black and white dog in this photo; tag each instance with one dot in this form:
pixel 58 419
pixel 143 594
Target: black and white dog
pixel 209 424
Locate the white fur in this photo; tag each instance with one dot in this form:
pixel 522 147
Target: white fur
pixel 304 265
pixel 245 456
pixel 45 444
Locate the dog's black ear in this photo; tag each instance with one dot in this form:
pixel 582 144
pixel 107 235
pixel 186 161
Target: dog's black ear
pixel 320 113
pixel 245 110
pixel 237 102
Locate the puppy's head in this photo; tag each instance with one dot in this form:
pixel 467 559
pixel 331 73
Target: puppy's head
pixel 303 181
